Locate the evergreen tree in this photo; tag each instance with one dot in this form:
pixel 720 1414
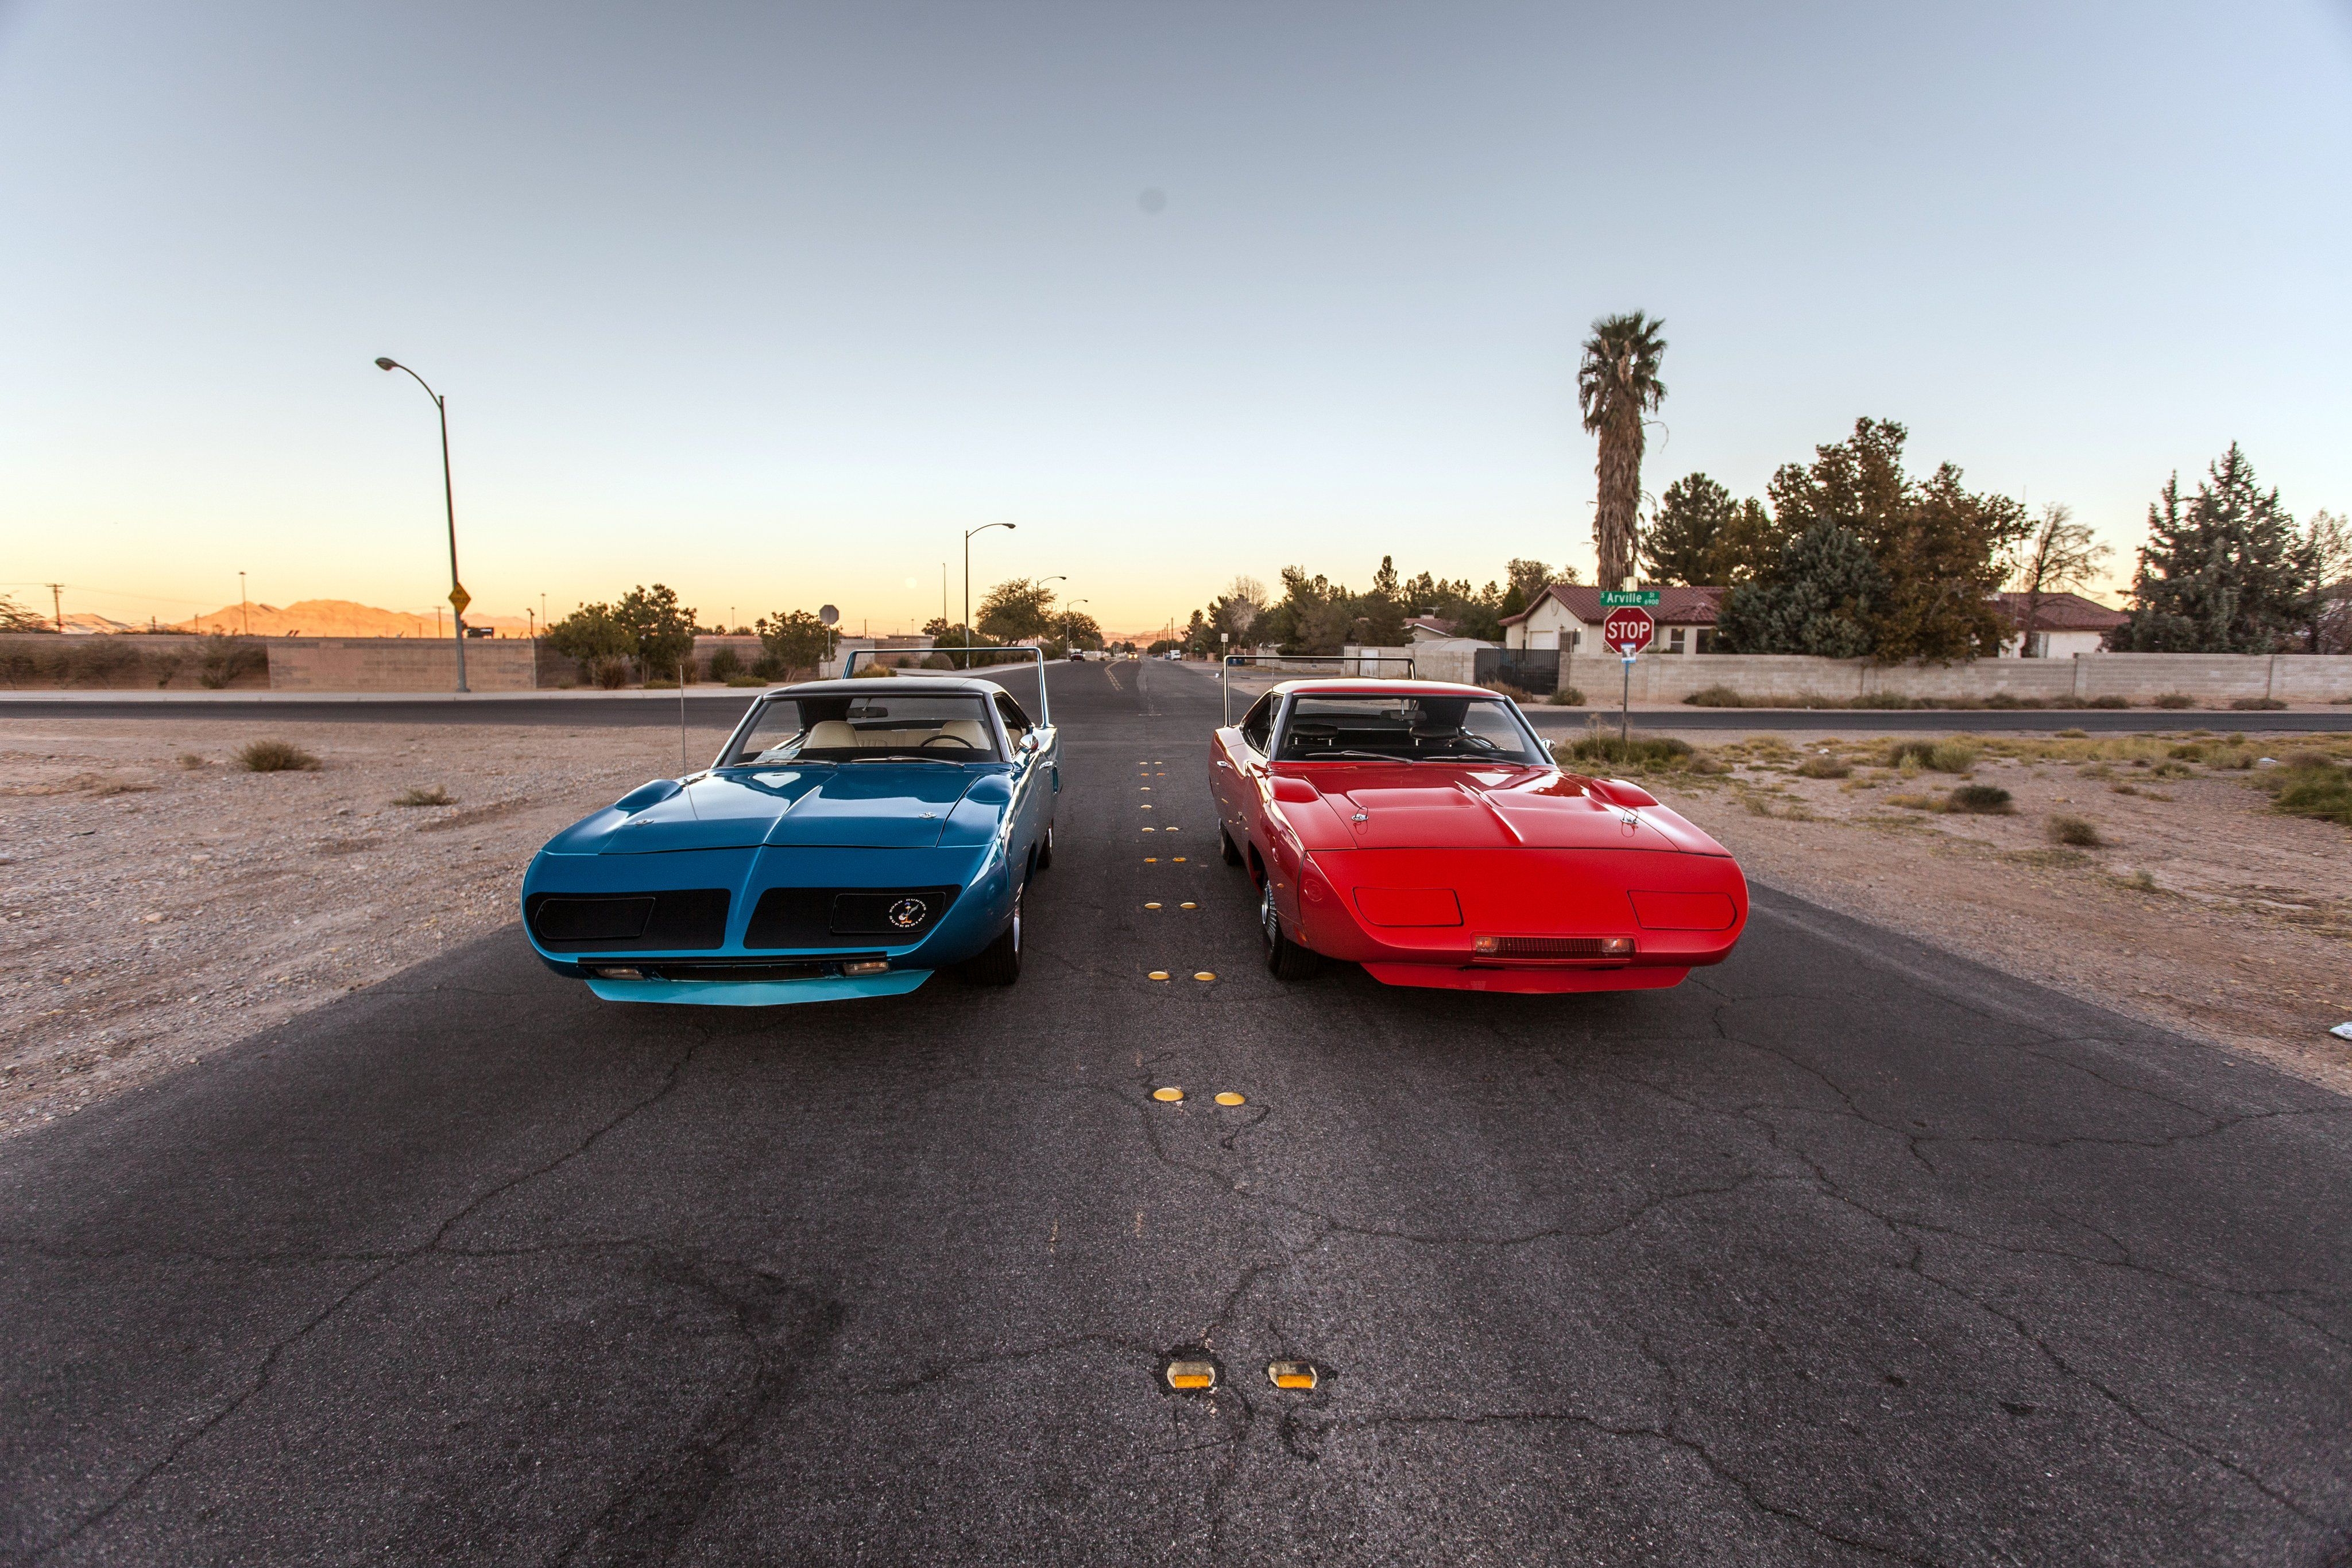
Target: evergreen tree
pixel 1823 598
pixel 1943 551
pixel 1683 543
pixel 2226 572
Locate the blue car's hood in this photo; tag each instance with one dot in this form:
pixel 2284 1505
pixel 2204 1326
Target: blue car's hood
pixel 874 805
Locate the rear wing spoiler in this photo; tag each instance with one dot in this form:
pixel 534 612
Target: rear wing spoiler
pixel 1045 703
pixel 1235 661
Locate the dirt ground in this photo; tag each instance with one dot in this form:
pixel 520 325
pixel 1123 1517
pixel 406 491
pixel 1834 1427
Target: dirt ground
pixel 158 903
pixel 2199 908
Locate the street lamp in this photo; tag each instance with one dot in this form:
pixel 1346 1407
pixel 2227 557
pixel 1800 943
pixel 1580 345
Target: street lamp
pixel 458 596
pixel 967 580
pixel 1070 621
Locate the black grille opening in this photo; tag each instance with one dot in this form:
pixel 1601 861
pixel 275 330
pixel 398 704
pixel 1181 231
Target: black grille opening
pixel 676 920
pixel 846 917
pixel 1547 947
pixel 593 919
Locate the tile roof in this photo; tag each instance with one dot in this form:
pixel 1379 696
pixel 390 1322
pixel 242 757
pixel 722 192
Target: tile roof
pixel 2062 613
pixel 1677 606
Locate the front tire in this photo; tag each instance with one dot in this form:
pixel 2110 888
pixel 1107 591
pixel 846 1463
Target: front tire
pixel 1284 959
pixel 1045 848
pixel 999 963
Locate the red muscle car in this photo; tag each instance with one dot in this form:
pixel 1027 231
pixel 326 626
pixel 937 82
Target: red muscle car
pixel 1423 829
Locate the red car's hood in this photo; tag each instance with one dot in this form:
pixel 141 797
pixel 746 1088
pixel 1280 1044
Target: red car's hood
pixel 1435 805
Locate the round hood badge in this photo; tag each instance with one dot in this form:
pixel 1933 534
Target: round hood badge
pixel 910 913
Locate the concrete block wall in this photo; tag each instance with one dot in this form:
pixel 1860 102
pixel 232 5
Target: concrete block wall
pixel 399 664
pixel 2137 677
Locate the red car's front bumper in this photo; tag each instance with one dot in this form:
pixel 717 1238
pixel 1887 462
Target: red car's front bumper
pixel 1679 911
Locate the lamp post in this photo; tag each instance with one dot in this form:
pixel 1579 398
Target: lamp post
pixel 1070 621
pixel 967 583
pixel 459 598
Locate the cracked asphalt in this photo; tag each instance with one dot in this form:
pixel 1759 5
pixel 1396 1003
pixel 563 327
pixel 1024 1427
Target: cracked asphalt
pixel 1845 1253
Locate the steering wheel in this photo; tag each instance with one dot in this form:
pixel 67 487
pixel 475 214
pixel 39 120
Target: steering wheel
pixel 930 741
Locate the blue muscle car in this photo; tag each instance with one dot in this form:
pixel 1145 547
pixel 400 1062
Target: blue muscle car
pixel 853 837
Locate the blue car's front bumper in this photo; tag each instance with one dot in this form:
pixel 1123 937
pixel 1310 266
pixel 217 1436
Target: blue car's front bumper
pixel 982 903
pixel 759 993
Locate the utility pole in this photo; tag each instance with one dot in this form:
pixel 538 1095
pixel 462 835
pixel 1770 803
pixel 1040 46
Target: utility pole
pixel 245 616
pixel 458 596
pixel 58 604
pixel 967 579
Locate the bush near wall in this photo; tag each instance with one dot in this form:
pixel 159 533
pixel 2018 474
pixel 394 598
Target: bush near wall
pixel 131 661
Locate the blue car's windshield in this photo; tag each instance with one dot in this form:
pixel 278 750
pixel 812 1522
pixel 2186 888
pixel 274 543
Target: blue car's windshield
pixel 936 729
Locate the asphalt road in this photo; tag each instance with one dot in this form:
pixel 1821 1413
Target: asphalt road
pixel 1845 1253
pixel 715 706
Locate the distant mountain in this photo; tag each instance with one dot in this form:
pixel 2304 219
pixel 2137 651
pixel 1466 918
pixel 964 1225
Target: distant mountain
pixel 339 618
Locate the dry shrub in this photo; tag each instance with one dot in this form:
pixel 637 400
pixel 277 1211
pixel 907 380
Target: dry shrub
pixel 2074 734
pixel 276 757
pixel 1822 766
pixel 609 673
pixel 1659 752
pixel 435 796
pixel 1567 696
pixel 191 761
pixel 1717 695
pixel 1943 756
pixel 1979 799
pixel 2078 832
pixel 2256 705
pixel 2173 699
pixel 2313 786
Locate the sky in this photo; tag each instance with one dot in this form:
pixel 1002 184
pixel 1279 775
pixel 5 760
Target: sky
pixel 771 303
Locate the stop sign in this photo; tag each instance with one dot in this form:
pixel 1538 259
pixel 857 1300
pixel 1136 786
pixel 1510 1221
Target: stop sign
pixel 1628 630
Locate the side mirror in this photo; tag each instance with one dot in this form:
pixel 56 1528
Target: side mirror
pixel 1027 743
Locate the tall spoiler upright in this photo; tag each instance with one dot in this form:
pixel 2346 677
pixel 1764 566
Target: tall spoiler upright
pixel 1045 703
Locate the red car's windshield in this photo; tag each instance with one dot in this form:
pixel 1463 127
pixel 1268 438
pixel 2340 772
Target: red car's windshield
pixel 1406 729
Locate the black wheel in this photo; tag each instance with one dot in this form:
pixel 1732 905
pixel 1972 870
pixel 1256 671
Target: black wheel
pixel 1226 847
pixel 1284 959
pixel 999 963
pixel 1045 848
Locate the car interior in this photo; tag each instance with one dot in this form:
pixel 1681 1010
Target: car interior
pixel 1407 730
pixel 846 729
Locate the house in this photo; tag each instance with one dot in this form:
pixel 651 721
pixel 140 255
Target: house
pixel 1568 616
pixel 2064 624
pixel 1428 629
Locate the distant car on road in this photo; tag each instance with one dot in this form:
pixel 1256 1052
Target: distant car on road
pixel 854 836
pixel 1421 829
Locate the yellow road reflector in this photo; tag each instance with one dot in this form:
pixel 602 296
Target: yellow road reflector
pixel 1147 789
pixel 1155 906
pixel 1191 1376
pixel 1147 805
pixel 1169 1094
pixel 1228 1097
pixel 1151 830
pixel 1297 1375
pixel 1204 974
pixel 1179 859
pixel 1152 859
pixel 1185 905
pixel 1157 975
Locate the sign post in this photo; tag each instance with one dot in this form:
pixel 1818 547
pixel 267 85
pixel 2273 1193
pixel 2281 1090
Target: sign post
pixel 1628 629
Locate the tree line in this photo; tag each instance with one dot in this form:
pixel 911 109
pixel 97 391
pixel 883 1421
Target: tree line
pixel 1314 615
pixel 1850 555
pixel 648 633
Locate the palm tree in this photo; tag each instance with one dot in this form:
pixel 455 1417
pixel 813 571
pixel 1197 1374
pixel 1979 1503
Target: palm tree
pixel 1616 385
